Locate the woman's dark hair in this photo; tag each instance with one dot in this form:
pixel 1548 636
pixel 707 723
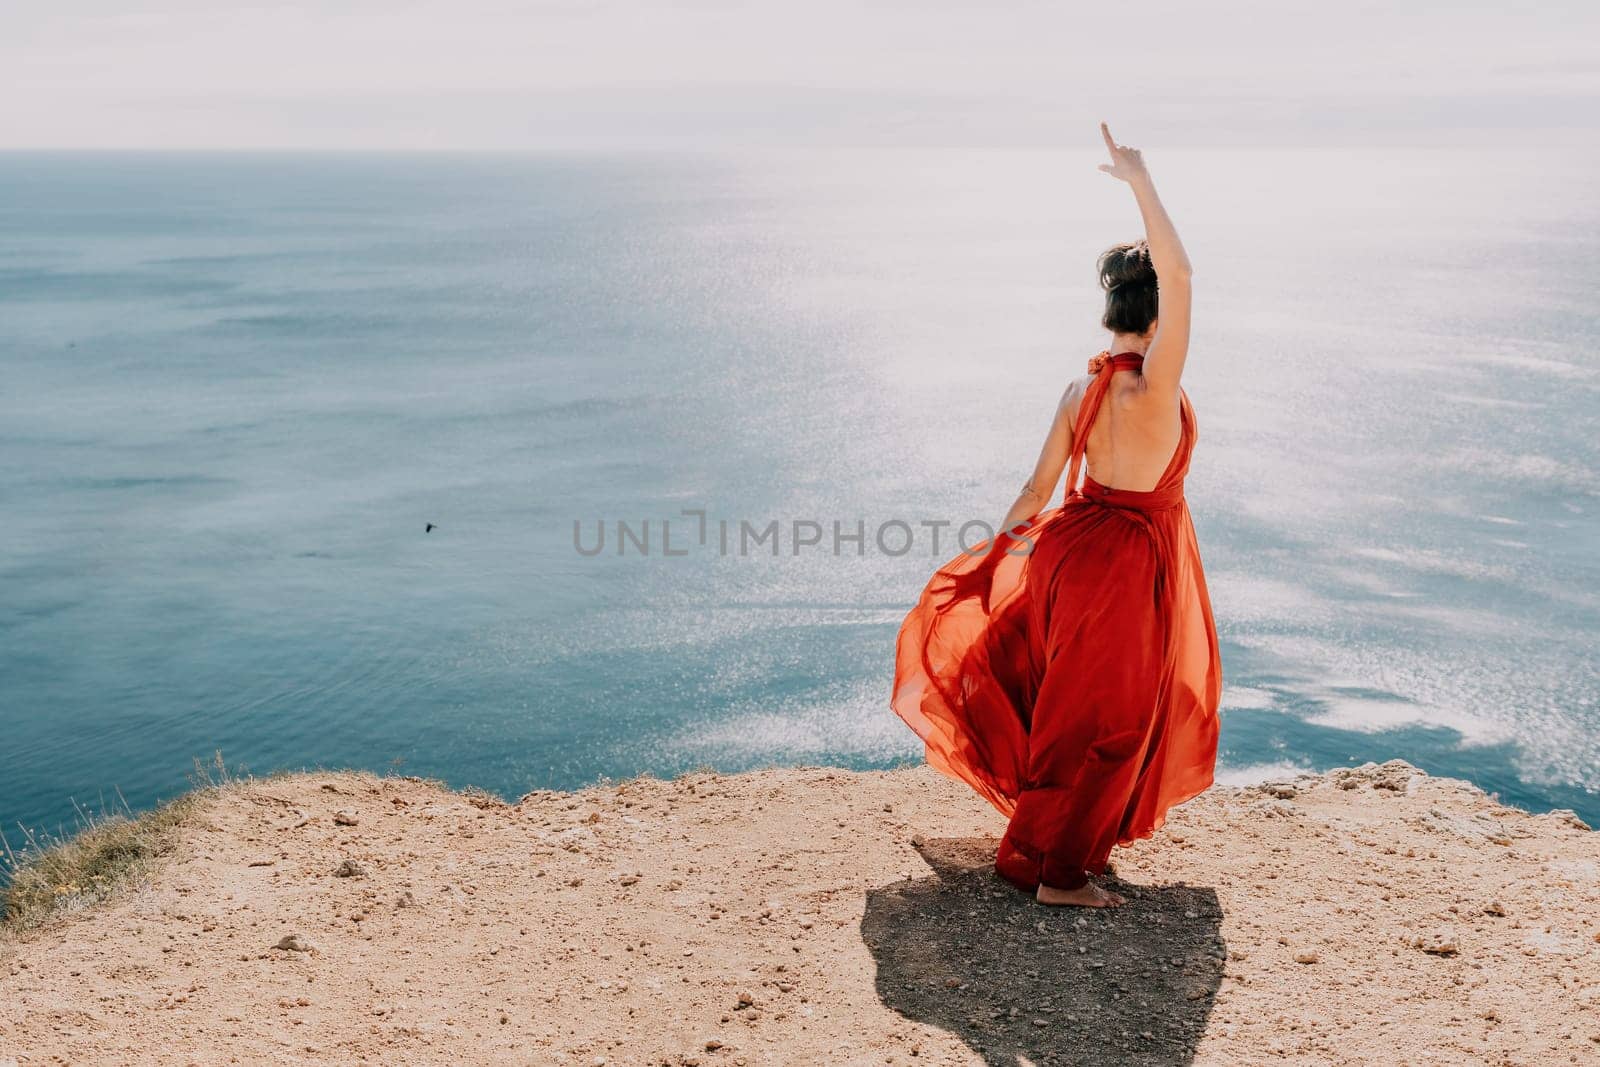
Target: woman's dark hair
pixel 1129 279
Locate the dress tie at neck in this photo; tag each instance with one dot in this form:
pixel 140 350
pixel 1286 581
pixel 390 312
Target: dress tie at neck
pixel 1099 361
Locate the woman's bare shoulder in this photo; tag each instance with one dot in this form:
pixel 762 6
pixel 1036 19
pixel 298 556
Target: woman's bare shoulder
pixel 1072 396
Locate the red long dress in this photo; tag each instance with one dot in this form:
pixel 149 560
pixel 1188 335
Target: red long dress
pixel 1074 683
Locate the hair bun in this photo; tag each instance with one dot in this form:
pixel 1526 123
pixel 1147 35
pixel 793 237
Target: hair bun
pixel 1126 265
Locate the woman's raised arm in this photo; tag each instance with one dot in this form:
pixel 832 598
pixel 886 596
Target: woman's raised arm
pixel 1163 363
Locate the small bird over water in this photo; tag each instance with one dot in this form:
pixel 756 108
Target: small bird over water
pixel 429 528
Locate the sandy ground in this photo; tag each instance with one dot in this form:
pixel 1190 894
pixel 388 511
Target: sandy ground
pixel 820 916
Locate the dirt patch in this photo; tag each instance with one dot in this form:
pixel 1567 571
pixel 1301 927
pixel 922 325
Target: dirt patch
pixel 820 916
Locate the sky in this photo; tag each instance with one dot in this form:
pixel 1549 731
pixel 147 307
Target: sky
pixel 502 75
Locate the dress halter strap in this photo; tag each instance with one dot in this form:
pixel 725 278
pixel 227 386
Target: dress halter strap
pixel 1100 361
pixel 1104 367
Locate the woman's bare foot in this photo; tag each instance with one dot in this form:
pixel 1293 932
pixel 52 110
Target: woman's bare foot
pixel 1087 895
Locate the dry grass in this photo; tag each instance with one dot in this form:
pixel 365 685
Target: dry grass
pixel 52 875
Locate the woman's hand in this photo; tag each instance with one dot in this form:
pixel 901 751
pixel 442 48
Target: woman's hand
pixel 1126 163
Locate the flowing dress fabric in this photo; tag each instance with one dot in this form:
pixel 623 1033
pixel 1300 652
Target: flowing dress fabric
pixel 1070 674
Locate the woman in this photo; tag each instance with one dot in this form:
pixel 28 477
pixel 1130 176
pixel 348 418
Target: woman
pixel 1068 671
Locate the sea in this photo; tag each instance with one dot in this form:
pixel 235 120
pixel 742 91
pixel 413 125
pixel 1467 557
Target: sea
pixel 529 471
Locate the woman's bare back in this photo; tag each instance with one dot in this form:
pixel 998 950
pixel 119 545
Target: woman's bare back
pixel 1134 435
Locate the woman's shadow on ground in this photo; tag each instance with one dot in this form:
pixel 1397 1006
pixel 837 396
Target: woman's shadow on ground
pixel 1024 984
